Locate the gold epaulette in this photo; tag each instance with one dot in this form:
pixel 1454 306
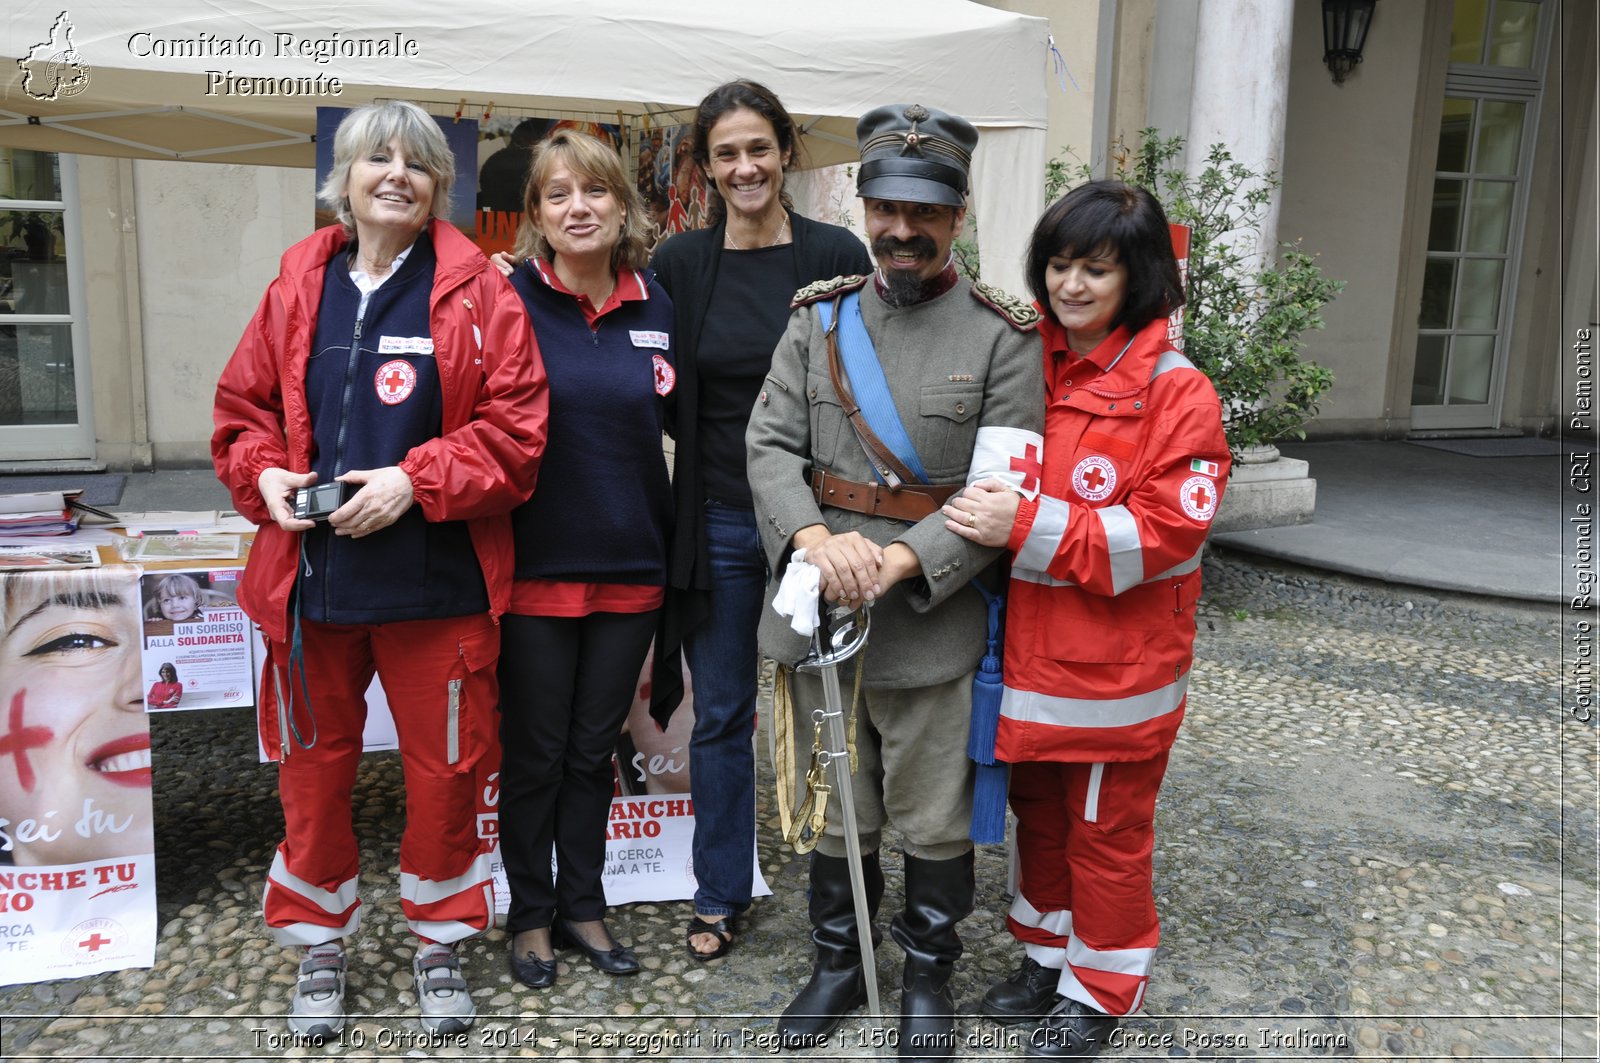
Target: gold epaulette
pixel 1021 314
pixel 822 289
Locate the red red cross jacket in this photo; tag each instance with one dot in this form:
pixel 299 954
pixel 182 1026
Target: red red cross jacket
pixel 482 464
pixel 1106 569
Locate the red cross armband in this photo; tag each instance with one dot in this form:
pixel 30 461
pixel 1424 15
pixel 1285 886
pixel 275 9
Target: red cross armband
pixel 1014 456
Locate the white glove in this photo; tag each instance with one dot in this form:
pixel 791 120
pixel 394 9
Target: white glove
pixel 797 594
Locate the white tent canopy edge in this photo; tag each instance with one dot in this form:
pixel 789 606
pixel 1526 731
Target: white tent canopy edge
pixel 156 73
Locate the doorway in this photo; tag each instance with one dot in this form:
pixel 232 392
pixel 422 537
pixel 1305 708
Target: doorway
pixel 1485 149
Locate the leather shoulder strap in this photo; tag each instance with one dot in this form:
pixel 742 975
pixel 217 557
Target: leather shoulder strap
pixel 890 469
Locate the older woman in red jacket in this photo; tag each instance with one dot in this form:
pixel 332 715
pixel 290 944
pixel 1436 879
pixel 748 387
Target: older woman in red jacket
pixel 1100 620
pixel 388 356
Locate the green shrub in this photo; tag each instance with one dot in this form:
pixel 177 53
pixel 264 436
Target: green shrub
pixel 1242 325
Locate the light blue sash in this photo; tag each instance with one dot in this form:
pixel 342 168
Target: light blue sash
pixel 867 381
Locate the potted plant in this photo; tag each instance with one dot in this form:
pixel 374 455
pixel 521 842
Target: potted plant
pixel 1243 320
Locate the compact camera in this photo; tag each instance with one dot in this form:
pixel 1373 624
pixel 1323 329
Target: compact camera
pixel 318 501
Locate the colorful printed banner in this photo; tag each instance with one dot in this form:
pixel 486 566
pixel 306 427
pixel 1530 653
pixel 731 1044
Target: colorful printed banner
pixel 77 864
pixel 197 641
pixel 1180 250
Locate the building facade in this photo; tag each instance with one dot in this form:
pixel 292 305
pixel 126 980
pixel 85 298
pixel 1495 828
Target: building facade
pixel 1449 182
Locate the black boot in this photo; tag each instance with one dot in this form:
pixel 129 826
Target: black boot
pixel 1024 997
pixel 938 896
pixel 1071 1030
pixel 837 984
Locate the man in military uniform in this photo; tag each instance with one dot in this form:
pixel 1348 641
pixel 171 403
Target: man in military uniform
pixel 961 368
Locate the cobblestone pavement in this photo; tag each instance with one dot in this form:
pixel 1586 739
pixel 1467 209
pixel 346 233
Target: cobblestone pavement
pixel 1377 838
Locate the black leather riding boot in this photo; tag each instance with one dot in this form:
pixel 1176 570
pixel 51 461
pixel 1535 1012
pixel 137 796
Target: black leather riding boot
pixel 837 982
pixel 939 894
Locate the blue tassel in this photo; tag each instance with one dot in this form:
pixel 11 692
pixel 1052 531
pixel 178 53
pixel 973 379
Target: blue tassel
pixel 989 784
pixel 987 688
pixel 989 804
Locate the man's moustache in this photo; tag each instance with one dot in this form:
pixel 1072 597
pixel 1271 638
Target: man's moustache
pixel 918 245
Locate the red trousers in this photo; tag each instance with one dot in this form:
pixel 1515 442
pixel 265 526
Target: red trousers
pixel 1085 833
pixel 439 678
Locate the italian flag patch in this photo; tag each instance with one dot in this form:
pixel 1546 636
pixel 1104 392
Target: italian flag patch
pixel 1210 468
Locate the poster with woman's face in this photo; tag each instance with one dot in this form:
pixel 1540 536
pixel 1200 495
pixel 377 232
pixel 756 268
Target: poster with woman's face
pixel 77 868
pixel 74 740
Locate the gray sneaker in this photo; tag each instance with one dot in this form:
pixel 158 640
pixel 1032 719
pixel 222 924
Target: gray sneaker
pixel 442 995
pixel 317 1010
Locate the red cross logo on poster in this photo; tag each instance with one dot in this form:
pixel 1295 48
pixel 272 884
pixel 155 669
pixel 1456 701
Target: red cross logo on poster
pixel 1094 478
pixel 88 938
pixel 395 381
pixel 665 376
pixel 1198 496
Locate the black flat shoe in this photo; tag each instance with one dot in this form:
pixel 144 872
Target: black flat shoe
pixel 619 959
pixel 533 972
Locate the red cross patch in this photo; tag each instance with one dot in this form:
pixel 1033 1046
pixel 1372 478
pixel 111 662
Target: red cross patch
pixel 1094 478
pixel 1030 468
pixel 666 377
pixel 1198 496
pixel 395 381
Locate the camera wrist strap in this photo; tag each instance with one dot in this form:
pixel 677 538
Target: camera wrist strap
pixel 297 658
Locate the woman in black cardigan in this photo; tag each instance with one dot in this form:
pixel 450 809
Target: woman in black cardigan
pixel 730 285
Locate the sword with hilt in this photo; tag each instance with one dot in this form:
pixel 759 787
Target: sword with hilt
pixel 841 633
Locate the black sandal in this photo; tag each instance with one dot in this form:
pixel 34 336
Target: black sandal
pixel 722 930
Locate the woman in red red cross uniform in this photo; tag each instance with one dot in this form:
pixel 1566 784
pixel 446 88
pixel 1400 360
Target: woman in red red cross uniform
pixel 389 357
pixel 1100 620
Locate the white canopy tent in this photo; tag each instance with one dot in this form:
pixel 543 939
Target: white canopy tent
pixel 177 79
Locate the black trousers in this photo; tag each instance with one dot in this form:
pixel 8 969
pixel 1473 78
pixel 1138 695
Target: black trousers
pixel 566 684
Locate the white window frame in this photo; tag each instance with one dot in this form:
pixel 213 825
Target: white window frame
pixel 59 441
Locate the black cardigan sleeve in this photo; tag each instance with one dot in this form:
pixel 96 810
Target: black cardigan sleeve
pixel 686 267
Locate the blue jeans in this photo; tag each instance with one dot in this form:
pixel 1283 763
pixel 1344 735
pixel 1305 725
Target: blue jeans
pixel 722 665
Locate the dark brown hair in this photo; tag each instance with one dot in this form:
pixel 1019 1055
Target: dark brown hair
pixel 1121 218
pixel 763 101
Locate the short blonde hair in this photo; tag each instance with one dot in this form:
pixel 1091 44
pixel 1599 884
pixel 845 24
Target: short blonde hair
pixel 366 129
pixel 591 159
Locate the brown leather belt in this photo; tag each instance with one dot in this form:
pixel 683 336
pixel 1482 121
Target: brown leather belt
pixel 912 502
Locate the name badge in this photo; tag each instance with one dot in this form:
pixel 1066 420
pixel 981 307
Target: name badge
pixel 405 345
pixel 648 339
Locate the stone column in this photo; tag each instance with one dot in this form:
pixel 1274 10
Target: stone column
pixel 1240 90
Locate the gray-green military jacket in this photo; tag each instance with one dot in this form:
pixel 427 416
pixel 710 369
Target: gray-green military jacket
pixel 966 376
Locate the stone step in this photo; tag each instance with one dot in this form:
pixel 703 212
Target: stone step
pixel 1271 494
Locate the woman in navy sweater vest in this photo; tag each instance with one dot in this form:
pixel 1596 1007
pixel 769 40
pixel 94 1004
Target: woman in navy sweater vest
pixel 591 546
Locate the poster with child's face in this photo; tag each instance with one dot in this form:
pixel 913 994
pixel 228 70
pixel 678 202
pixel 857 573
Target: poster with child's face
pixel 197 641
